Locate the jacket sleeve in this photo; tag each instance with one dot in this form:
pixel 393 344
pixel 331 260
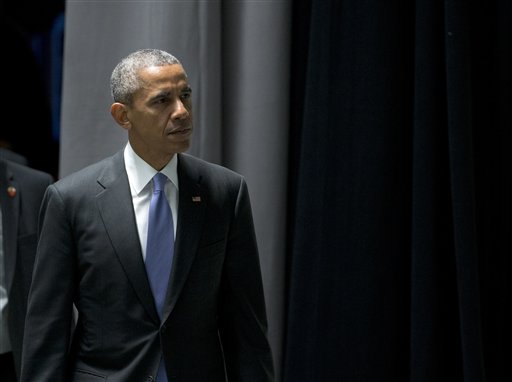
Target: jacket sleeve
pixel 50 303
pixel 242 316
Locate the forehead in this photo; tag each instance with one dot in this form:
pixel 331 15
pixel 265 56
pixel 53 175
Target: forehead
pixel 163 75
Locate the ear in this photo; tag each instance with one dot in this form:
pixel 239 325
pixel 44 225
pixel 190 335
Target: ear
pixel 120 114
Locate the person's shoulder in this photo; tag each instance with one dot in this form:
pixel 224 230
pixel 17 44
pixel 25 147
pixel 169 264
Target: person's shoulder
pixel 13 156
pixel 21 170
pixel 205 166
pixel 89 173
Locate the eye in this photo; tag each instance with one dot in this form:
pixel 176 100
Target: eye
pixel 161 100
pixel 186 94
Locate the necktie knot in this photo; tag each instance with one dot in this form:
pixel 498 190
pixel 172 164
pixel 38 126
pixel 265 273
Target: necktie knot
pixel 159 182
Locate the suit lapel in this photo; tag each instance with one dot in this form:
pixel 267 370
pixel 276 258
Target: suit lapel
pixel 192 205
pixel 10 217
pixel 121 227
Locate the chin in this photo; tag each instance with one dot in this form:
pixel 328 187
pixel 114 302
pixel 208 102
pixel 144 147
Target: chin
pixel 181 147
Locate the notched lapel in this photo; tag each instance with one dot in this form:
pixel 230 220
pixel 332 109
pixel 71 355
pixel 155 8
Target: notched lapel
pixel 121 227
pixel 192 207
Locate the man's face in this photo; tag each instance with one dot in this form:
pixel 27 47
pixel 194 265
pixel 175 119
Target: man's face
pixel 161 113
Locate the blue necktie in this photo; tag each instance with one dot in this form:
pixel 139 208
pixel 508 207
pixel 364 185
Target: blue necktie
pixel 159 249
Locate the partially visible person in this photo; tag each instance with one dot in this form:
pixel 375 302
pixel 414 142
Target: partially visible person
pixel 198 315
pixel 12 156
pixel 21 192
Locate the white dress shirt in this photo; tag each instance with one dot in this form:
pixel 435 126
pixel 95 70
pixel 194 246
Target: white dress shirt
pixel 140 175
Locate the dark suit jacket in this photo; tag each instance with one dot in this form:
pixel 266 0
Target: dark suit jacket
pixel 12 156
pixel 20 210
pixel 90 255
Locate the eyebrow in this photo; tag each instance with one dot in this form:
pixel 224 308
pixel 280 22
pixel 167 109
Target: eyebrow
pixel 161 94
pixel 167 93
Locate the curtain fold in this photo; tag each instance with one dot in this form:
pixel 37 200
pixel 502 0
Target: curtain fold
pixel 401 221
pixel 462 185
pixel 255 70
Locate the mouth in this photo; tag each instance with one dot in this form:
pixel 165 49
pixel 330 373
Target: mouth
pixel 180 131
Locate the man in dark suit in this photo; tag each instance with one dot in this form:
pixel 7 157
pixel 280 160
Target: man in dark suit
pixel 12 156
pixel 94 247
pixel 21 192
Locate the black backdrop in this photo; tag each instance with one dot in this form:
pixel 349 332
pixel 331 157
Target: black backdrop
pixel 400 231
pixel 27 84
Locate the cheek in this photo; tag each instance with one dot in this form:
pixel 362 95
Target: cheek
pixel 151 122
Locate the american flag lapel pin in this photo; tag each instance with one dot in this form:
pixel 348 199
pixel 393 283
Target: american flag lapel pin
pixel 11 191
pixel 196 199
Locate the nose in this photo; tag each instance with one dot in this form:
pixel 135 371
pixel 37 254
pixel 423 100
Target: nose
pixel 180 111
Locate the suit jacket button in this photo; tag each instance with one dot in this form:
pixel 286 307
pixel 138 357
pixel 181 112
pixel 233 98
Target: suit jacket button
pixel 150 378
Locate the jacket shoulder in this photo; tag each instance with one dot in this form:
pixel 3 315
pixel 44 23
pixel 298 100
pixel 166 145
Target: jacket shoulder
pixel 28 174
pixel 84 178
pixel 205 168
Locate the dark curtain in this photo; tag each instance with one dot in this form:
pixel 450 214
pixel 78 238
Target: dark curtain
pixel 400 226
pixel 27 99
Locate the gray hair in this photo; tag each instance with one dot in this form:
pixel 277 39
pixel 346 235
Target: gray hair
pixel 125 81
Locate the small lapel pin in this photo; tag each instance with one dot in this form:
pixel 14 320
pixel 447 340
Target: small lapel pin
pixel 11 191
pixel 196 199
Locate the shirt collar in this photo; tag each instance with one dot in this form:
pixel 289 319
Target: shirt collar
pixel 140 172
